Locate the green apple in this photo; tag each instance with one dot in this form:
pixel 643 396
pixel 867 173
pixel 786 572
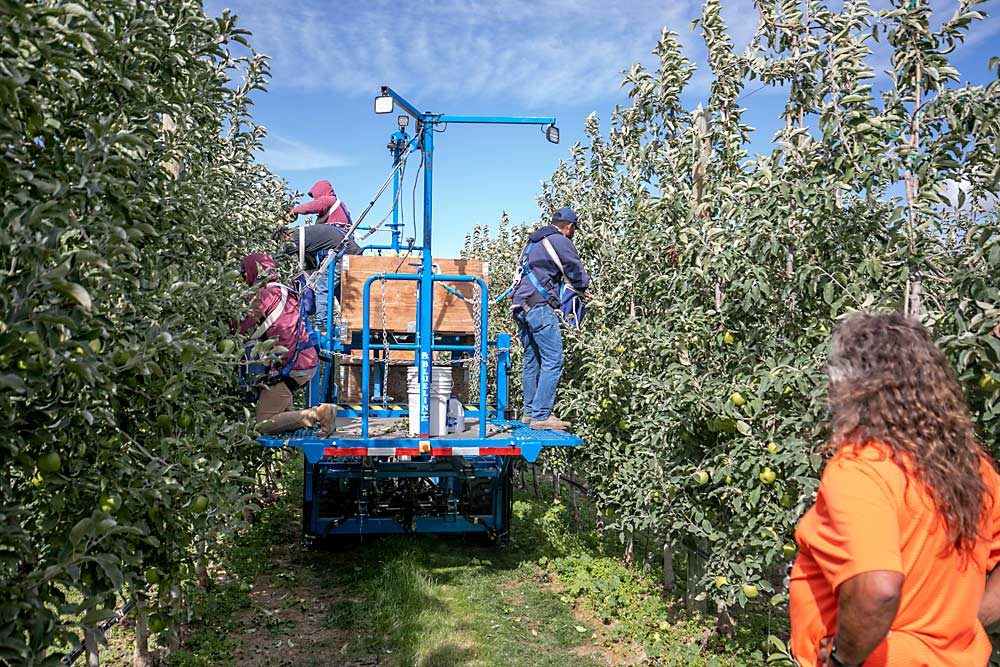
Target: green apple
pixel 199 505
pixel 767 475
pixel 49 463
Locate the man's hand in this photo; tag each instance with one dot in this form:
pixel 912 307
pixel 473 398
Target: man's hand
pixel 587 296
pixel 823 657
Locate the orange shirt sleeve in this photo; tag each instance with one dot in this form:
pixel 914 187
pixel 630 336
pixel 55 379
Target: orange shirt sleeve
pixel 858 526
pixel 992 481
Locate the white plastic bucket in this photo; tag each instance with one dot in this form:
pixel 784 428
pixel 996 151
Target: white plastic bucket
pixel 440 391
pixel 456 415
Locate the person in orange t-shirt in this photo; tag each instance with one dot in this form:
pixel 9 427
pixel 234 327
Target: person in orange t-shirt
pixel 893 556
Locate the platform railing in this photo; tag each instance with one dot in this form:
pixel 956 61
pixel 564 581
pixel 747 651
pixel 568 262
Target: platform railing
pixel 421 345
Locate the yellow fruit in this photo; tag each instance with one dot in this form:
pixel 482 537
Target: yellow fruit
pixel 49 463
pixel 226 346
pixel 152 575
pixel 988 384
pixel 772 447
pixel 787 501
pixel 95 345
pixel 620 349
pixel 788 550
pixel 750 591
pixel 737 399
pixel 32 338
pixel 701 477
pixel 767 476
pixel 720 582
pixel 108 504
pixel 728 338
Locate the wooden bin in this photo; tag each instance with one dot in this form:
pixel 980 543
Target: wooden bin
pixel 451 315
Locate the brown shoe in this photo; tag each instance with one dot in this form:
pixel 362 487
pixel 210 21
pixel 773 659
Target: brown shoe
pixel 553 423
pixel 526 419
pixel 326 416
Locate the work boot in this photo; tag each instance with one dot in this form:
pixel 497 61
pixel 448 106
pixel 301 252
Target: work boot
pixel 526 419
pixel 326 415
pixel 552 423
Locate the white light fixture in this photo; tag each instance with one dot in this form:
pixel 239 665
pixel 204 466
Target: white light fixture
pixel 552 134
pixel 383 104
pixel 402 121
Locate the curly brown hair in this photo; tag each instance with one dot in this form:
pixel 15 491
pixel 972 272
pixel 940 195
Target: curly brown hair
pixel 889 382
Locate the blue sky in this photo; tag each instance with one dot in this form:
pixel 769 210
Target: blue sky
pixel 559 58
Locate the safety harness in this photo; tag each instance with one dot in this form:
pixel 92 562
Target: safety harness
pixel 566 301
pixel 259 372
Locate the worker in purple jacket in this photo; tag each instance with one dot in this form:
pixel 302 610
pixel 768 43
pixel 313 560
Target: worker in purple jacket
pixel 329 209
pixel 325 205
pixel 549 261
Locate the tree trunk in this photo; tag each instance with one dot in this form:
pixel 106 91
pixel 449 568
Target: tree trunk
pixel 695 572
pixel 140 653
pixel 669 580
pixel 201 567
pixel 91 647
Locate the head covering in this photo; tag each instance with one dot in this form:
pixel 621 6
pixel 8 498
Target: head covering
pixel 565 215
pixel 321 188
pixel 254 264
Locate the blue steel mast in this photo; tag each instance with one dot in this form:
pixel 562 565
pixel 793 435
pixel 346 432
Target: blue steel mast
pixel 426 123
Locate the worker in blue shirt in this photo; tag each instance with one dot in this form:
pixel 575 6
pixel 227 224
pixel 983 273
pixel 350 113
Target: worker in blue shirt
pixel 549 262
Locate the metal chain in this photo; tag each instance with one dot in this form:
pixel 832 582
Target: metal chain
pixel 385 346
pixel 477 321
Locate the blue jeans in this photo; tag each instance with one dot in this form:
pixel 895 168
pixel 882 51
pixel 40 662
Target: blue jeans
pixel 322 294
pixel 322 290
pixel 543 358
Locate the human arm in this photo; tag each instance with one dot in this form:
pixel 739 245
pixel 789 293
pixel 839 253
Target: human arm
pixel 316 206
pixel 989 608
pixel 573 267
pixel 267 299
pixel 853 536
pixel 867 605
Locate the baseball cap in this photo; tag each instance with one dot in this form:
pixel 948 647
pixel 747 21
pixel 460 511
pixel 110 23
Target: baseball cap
pixel 565 215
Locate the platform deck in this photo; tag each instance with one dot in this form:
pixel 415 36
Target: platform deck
pixel 387 438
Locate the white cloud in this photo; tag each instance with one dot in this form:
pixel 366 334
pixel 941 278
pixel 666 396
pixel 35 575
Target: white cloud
pixel 533 51
pixel 283 154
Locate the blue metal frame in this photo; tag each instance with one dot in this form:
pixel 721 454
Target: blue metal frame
pixel 446 478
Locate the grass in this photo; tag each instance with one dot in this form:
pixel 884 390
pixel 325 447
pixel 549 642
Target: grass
pixel 558 595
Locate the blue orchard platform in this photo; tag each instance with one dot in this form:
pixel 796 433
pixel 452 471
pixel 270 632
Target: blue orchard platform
pixel 504 438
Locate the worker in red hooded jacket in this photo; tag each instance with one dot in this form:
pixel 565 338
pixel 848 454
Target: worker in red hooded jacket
pixel 325 205
pixel 275 314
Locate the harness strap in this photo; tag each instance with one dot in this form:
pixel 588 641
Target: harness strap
pixel 333 209
pixel 302 247
pixel 273 316
pixel 554 256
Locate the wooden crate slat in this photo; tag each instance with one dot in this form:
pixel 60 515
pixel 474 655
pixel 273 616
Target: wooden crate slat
pixel 451 314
